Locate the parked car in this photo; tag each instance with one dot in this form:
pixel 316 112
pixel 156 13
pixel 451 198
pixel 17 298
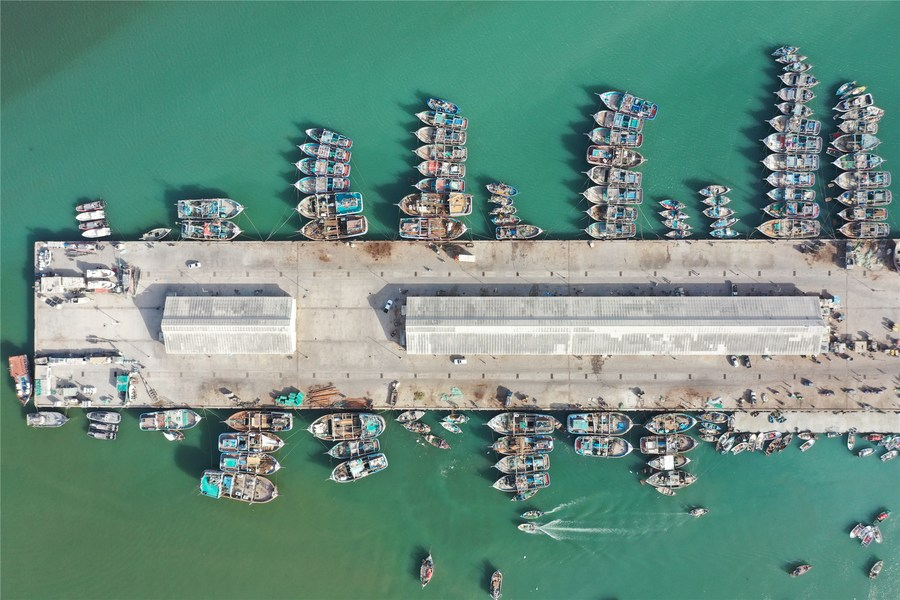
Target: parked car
pixel 388 305
pixel 745 360
pixel 194 264
pixel 458 360
pixel 732 360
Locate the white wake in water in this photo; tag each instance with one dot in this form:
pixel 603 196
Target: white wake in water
pixel 560 530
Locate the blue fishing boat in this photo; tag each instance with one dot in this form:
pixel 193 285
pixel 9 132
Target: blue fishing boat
pixel 209 230
pixel 726 233
pixel 443 106
pixel 213 208
pixel 602 446
pixel 629 104
pixel 322 206
pixel 442 119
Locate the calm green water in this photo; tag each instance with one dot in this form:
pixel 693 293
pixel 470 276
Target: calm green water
pixel 145 104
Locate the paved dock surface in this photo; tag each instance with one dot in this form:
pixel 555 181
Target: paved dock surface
pixel 345 338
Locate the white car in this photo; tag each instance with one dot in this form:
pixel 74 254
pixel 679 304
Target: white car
pixel 388 305
pixel 458 360
pixel 732 360
pixel 194 264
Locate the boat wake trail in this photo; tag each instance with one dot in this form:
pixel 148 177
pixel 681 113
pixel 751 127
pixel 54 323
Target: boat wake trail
pixel 563 530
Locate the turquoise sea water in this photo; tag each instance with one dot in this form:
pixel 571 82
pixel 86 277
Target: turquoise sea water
pixel 143 104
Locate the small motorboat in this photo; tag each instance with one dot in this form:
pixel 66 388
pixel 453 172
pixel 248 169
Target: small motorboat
pixel 502 189
pixel 437 442
pixel 786 50
pixel 451 427
pixel 455 418
pixel 523 496
pixel 714 190
pixel 444 106
pixel 794 109
pixel 529 527
pixel 173 436
pixel 416 427
pixel 104 416
pixel 718 212
pixel 669 204
pixel 102 435
pixel 155 235
pixel 426 571
pixel 698 512
pixel 804 80
pixel 846 87
pixel 410 415
pixel 725 233
pixel 46 418
pixel 801 570
pixel 723 223
pixel 865 452
pixel 854 102
pixel 890 455
pixel 869 113
pixel 716 201
pixel 94 215
pixel 91 206
pixel 496 586
pixel 679 234
pixel 876 569
pixel 532 514
pixel 665 491
pixel 882 516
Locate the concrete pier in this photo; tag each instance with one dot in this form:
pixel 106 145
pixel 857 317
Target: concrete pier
pixel 344 338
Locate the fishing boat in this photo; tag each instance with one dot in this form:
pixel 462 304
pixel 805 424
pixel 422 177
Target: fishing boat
pixel 718 418
pixel 496 586
pixel 255 441
pixel 326 152
pixel 443 119
pixel 104 416
pixel 858 161
pixel 868 113
pixel 97 233
pixel 676 215
pixel 518 232
pixel 169 420
pixel 667 444
pixel 794 109
pixel 789 124
pixel 260 420
pixel 523 444
pixel 357 468
pixel 523 463
pixel 851 441
pixel 863 180
pixel 209 230
pixel 668 423
pixel 807 444
pixel 440 135
pixel 779 444
pixel 173 436
pixel 668 462
pixel 324 136
pixel 865 198
pixel 612 212
pixel 796 67
pixel 93 225
pixel 844 88
pixel 792 94
pixel 665 491
pixel 855 142
pixel 672 479
pixel 256 463
pixel 854 102
pixel 20 371
pixel 791 179
pixel 859 127
pixel 440 105
pixel 437 168
pixel 532 514
pixel 436 441
pixel 790 228
pixel 336 228
pixel 603 446
pixel 213 208
pixel 670 204
pixel 416 427
pixel 679 234
pixel 408 416
pixel 629 104
pixel 338 427
pixel 436 205
pixel 677 225
pixel 155 235
pixel 615 176
pixel 791 162
pixel 322 185
pixel 616 137
pixel 801 570
pixel 608 194
pixel 786 50
pixel 94 215
pixel 793 143
pixel 599 423
pixel 613 156
pixel 800 80
pixel 787 194
pixel 860 213
pixel 507 209
pixel 714 190
pixel 320 167
pixel 523 423
pixel 354 449
pixel 876 569
pixel 618 120
pixel 46 418
pixel 426 570
pixel 442 152
pixel 792 209
pixel 324 206
pixel 455 418
pixel 98 434
pixel 523 482
pixel 698 512
pixel 865 230
pixel 718 212
pixel 432 229
pixel 611 230
pixel 889 455
pixel 244 487
pixel 91 206
pixel 441 185
pixel 723 223
pixel 506 220
pixel 451 427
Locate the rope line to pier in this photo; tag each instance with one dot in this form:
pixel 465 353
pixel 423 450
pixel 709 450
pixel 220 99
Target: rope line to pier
pixel 290 213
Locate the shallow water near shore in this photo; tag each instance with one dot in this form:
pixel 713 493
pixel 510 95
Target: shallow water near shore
pixel 143 104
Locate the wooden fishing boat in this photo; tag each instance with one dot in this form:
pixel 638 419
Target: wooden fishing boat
pixel 440 135
pixel 796 67
pixel 338 427
pixel 667 444
pixel 801 570
pixel 865 198
pixel 323 168
pixel 665 491
pixel 358 468
pixel 668 423
pixel 613 156
pixel 668 462
pixel 672 479
pixel 354 449
pixel 857 91
pixel 442 152
pixel 91 206
pixel 523 482
pixel 718 212
pixel 855 142
pixel 714 190
pixel 244 487
pixel 20 371
pixel 436 205
pixel 618 120
pixel 792 209
pixel 792 94
pixel 723 223
pixel 677 225
pixel 505 220
pixel 169 420
pixel 787 194
pixel 331 138
pixel 506 210
pixel 602 446
pixel 213 208
pixel 788 124
pixel 844 88
pixel 807 445
pixel 876 569
pixel 260 420
pixel 610 194
pixel 860 213
pixel 445 106
pixel 451 427
pixel 517 232
pixel 513 423
pixel 426 571
pixel 868 113
pixel 791 162
pixel 615 176
pixel 501 200
pixel 865 230
pixel 611 230
pixel 323 206
pixel 800 80
pixel 858 161
pixel 441 185
pixel 670 204
pixel 455 418
pixel 523 444
pixel 322 185
pixel 858 126
pixel 616 137
pixel 326 152
pixel 629 104
pixel 255 441
pixel 416 427
pixel 676 215
pixel 436 168
pixel 432 229
pixel 256 463
pixel 502 189
pixel 408 416
pixel 794 109
pixel 443 119
pixel 786 50
pixel 698 512
pixel 612 212
pixel 863 180
pixel 679 234
pixel 155 235
pixel 793 143
pixel 854 102
pixel 496 586
pixel 436 441
pixel 791 229
pixel 523 463
pixel 791 179
pixel 336 228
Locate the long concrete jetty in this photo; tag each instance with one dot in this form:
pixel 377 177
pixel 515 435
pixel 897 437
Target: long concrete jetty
pixel 346 340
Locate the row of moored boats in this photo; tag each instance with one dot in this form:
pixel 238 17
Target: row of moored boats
pixel 508 225
pixel 92 221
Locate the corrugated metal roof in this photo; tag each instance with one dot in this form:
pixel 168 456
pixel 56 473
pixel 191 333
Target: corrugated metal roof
pixel 631 325
pixel 230 325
